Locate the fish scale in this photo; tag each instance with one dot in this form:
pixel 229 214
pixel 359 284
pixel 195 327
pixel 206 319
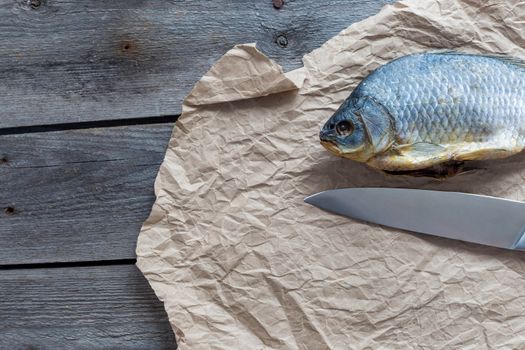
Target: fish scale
pixel 479 89
pixel 462 106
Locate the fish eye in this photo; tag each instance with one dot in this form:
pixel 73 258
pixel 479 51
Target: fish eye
pixel 344 128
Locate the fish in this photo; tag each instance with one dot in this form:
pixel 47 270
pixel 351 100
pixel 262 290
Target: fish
pixel 432 111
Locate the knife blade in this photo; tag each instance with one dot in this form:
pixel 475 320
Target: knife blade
pixel 467 217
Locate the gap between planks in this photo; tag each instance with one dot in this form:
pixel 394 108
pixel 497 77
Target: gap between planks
pixel 89 125
pixel 70 264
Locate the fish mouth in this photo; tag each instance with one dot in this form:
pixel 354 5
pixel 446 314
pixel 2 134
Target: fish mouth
pixel 332 147
pixel 359 154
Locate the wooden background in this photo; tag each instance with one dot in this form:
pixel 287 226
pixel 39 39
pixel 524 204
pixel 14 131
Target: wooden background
pixel 89 93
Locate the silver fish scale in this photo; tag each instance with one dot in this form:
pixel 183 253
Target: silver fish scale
pixel 444 98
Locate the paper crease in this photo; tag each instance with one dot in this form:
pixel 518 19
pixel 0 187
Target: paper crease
pixel 241 262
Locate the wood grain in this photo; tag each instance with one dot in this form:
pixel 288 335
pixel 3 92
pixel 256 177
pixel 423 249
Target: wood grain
pixel 66 61
pixel 78 195
pixel 82 195
pixel 110 307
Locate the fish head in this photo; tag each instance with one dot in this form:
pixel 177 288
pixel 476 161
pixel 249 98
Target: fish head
pixel 359 129
pixel 344 134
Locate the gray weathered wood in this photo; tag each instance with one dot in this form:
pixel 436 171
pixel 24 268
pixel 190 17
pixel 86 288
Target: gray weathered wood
pixel 77 195
pixel 82 195
pixel 66 61
pixel 109 307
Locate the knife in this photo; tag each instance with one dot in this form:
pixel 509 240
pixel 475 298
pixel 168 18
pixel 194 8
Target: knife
pixel 467 217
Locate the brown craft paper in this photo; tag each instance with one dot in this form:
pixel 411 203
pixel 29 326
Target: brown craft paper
pixel 241 262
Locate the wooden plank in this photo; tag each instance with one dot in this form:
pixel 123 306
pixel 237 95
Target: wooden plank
pixel 77 195
pixel 108 307
pixel 63 61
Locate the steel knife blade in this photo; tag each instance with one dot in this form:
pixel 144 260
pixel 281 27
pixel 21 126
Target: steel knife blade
pixel 468 217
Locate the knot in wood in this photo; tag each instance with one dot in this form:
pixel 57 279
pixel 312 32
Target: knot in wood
pixel 128 46
pixel 281 40
pixel 278 4
pixel 9 210
pixel 35 3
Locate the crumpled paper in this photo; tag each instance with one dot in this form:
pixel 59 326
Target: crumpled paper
pixel 241 262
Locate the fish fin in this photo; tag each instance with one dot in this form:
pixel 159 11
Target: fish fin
pixel 502 57
pixel 439 171
pixel 486 153
pixel 423 155
pixel 508 59
pixel 410 157
pixel 419 150
pixel 446 52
